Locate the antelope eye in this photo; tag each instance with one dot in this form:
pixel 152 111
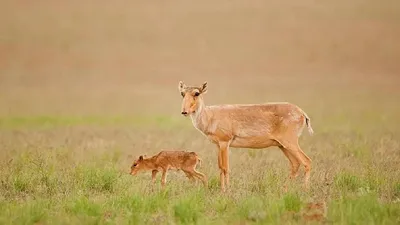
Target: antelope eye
pixel 196 94
pixel 134 165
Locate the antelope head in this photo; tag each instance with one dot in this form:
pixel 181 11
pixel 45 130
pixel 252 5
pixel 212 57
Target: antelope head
pixel 192 97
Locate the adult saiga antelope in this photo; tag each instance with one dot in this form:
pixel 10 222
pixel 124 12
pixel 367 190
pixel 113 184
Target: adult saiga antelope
pixel 248 126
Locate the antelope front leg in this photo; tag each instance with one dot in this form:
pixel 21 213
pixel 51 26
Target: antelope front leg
pixel 221 172
pixel 223 161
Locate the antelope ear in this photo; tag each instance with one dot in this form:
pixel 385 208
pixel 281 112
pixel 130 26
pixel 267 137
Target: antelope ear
pixel 140 158
pixel 203 88
pixel 181 86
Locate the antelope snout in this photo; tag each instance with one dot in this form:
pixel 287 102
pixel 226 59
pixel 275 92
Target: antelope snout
pixel 184 113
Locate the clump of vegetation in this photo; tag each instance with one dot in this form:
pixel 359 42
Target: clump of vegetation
pixel 58 185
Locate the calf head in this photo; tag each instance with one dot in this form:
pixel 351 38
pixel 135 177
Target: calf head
pixel 138 165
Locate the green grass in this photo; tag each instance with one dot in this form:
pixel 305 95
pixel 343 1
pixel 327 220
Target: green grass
pixel 38 187
pixel 75 172
pixel 365 209
pixel 46 121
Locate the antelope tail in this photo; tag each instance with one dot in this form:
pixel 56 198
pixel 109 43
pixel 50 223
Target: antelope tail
pixel 308 123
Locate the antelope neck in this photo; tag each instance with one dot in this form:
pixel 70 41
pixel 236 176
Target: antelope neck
pixel 200 118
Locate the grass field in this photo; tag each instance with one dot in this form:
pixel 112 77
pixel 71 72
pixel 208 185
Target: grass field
pixel 86 87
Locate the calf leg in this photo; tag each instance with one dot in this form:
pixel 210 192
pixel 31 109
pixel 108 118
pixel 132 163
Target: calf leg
pixel 190 176
pixel 153 175
pixel 163 178
pixel 200 176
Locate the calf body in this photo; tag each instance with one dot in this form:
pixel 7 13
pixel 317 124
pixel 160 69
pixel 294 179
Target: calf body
pixel 167 160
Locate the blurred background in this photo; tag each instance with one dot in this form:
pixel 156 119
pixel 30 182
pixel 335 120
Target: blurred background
pixel 126 57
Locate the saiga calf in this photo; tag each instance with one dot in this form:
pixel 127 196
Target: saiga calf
pixel 248 126
pixel 167 160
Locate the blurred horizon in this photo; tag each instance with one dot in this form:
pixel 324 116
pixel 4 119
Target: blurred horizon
pixel 124 57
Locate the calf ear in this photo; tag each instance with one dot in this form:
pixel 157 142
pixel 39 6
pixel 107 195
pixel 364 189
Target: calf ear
pixel 140 158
